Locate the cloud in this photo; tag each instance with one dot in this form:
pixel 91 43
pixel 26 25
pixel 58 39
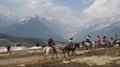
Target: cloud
pixel 103 9
pixel 4 12
pixel 51 10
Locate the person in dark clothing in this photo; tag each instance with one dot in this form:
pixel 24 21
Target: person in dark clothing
pixel 8 48
pixel 50 40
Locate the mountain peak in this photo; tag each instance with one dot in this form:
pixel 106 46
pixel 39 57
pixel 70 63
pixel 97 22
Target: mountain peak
pixel 29 18
pixel 34 16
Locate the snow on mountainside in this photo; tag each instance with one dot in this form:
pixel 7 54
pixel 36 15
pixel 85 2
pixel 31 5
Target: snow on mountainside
pixel 26 19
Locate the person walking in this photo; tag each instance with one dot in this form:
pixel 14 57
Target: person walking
pixel 8 48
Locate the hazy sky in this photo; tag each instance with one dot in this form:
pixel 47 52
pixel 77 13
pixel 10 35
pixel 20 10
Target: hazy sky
pixel 75 12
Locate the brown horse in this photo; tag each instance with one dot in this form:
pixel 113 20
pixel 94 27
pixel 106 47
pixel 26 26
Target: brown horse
pixel 69 48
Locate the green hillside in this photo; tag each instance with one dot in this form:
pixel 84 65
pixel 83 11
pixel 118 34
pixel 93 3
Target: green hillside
pixel 28 42
pixel 7 39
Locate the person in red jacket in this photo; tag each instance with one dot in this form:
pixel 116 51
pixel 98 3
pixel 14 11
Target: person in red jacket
pixel 98 41
pixel 52 44
pixel 104 41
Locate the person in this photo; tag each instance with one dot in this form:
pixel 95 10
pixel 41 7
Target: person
pixel 104 41
pixel 52 44
pixel 50 40
pixel 115 39
pixel 88 40
pixel 98 40
pixel 111 42
pixel 71 42
pixel 8 48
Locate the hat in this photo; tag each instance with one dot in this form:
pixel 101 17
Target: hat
pixel 50 37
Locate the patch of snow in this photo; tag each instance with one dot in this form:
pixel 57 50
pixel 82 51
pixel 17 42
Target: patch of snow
pixel 35 47
pixel 3 49
pixel 15 48
pixel 33 16
pixel 102 26
pixel 23 19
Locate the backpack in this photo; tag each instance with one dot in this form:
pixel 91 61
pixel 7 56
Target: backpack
pixel 9 46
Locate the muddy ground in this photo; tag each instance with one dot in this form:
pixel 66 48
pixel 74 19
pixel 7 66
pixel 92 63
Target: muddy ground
pixel 102 57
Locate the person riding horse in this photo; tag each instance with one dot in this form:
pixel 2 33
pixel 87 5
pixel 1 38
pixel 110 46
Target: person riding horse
pixel 115 39
pixel 104 41
pixel 89 41
pixel 52 45
pixel 69 47
pixel 98 41
pixel 71 43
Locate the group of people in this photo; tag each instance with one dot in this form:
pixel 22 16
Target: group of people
pixel 103 41
pixel 112 41
pixel 99 41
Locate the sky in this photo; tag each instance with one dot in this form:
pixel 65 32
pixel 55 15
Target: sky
pixel 74 12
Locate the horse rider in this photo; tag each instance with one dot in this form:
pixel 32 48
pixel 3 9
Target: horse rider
pixel 115 39
pixel 98 41
pixel 88 40
pixel 104 41
pixel 71 42
pixel 111 42
pixel 50 40
pixel 52 44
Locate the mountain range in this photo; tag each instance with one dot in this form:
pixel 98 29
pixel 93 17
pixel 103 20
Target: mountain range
pixel 33 27
pixel 39 27
pixel 108 31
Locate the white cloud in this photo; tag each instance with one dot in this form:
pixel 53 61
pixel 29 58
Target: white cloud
pixel 49 9
pixel 4 12
pixel 103 9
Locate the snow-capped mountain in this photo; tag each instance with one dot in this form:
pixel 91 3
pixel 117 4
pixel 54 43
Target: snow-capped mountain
pixel 31 26
pixel 39 27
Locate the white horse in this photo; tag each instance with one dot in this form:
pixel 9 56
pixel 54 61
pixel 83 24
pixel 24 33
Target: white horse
pixel 48 50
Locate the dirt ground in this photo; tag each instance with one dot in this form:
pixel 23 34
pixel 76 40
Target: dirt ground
pixel 102 57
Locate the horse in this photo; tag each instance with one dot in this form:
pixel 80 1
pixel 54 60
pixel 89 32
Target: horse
pixel 86 45
pixel 105 44
pixel 117 42
pixel 49 49
pixel 71 48
pixel 77 45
